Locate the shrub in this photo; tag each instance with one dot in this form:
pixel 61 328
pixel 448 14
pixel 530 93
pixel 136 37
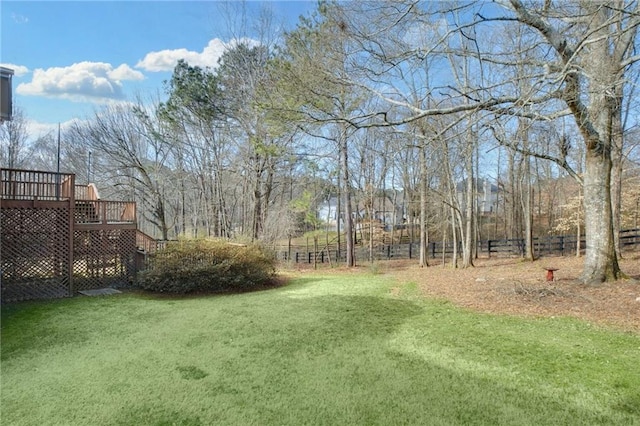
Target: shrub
pixel 204 265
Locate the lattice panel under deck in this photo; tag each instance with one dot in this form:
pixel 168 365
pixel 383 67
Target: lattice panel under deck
pixel 103 257
pixel 35 253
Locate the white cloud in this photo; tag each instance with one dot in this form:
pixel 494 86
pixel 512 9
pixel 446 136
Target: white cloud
pixel 83 81
pixel 166 60
pixel 19 19
pixel 125 72
pixel 36 129
pixel 18 70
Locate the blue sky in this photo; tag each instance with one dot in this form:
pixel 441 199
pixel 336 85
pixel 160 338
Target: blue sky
pixel 72 57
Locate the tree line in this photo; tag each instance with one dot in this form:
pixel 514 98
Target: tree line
pixel 405 103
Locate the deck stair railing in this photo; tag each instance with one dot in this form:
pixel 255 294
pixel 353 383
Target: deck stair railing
pixel 147 244
pixel 87 192
pixel 104 212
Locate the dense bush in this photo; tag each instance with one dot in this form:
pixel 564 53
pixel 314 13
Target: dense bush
pixel 204 265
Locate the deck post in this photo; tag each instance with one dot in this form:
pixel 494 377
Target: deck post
pixel 72 207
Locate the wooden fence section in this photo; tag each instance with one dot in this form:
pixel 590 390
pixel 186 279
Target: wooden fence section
pixel 55 242
pixel 554 245
pixel 562 245
pixel 630 238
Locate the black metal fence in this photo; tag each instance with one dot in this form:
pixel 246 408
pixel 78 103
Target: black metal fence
pixel 557 245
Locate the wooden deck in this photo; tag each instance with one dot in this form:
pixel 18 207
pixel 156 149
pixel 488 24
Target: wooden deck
pixel 59 237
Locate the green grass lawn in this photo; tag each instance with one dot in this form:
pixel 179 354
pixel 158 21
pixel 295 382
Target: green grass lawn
pixel 336 350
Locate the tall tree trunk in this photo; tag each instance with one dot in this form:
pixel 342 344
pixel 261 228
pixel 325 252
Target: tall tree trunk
pixel 510 209
pixel 245 224
pixel 338 216
pixel 394 221
pixel 601 262
pixel 424 236
pixel 529 253
pixel 370 214
pixel 616 200
pixel 596 124
pixel 348 210
pixel 183 211
pixel 160 217
pixel 527 195
pixel 221 211
pixel 454 239
pixel 257 199
pixel 467 259
pixel 578 227
pixel 617 145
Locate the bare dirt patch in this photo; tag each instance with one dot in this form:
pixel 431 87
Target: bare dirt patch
pixel 516 287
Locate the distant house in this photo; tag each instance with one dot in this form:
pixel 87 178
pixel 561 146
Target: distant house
pixel 383 210
pixel 486 195
pixel 328 213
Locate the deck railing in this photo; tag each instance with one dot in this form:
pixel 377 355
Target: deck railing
pixel 147 243
pixel 35 185
pixel 26 185
pixel 105 212
pixel 86 192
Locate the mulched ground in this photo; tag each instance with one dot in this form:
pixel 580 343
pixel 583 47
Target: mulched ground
pixel 516 287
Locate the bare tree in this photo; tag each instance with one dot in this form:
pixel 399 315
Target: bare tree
pixel 580 52
pixel 130 153
pixel 13 141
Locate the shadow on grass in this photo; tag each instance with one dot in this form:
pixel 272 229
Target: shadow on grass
pixel 334 359
pixel 290 358
pixel 277 283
